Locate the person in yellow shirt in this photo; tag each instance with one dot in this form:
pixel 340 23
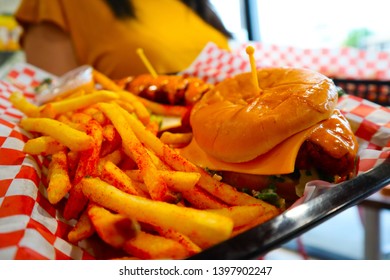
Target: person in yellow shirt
pixel 60 35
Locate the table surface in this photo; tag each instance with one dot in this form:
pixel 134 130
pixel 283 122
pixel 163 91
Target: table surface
pixel 377 200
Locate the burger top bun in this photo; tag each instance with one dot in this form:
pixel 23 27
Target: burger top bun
pixel 235 122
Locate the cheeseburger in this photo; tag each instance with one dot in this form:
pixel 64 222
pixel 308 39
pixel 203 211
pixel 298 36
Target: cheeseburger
pixel 272 139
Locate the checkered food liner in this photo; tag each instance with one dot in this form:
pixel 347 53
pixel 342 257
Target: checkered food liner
pixel 32 228
pixel 214 64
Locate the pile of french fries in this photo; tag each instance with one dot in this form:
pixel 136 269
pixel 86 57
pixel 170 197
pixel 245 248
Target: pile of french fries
pixel 123 183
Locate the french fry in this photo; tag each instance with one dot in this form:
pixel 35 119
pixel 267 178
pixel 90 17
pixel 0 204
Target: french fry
pixel 157 187
pixel 176 139
pixel 201 199
pixel 43 145
pixel 82 230
pixel 108 145
pixel 104 81
pixel 113 175
pixel 47 111
pixel 187 187
pixel 72 94
pixel 204 228
pixel 89 159
pixel 74 139
pixel 73 104
pixel 114 229
pixel 73 160
pixel 163 109
pixel 179 181
pixel 58 178
pixel 115 157
pixel 109 84
pixel 87 166
pixel 140 110
pixel 63 118
pixel 153 126
pixel 184 183
pixel 90 110
pixel 187 243
pixel 75 204
pixel 96 115
pixel 230 194
pixel 80 118
pixel 160 165
pixel 259 220
pixel 126 105
pixel 109 132
pixel 147 246
pixel 241 215
pixel 19 101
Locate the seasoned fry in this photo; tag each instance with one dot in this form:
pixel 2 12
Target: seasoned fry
pixel 190 246
pixel 73 104
pixel 259 220
pixel 80 118
pixel 179 181
pixel 73 160
pixel 58 178
pixel 108 84
pixel 109 132
pixel 115 157
pixel 82 230
pixel 140 110
pixel 147 246
pixel 241 215
pixel 20 102
pixel 113 175
pixel 114 229
pixel 72 94
pixel 73 139
pixel 43 145
pixel 164 109
pixel 96 115
pixel 160 165
pixel 176 139
pixel 125 105
pixel 87 166
pixel 201 199
pixel 104 81
pixel 204 228
pixel 157 187
pixel 186 186
pixel 109 146
pixel 47 111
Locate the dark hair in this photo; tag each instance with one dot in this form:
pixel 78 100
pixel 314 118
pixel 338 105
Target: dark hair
pixel 124 9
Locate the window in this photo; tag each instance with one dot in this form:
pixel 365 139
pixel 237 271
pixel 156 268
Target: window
pixel 332 23
pixel 309 23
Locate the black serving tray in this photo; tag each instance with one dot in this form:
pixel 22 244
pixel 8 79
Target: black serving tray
pixel 259 240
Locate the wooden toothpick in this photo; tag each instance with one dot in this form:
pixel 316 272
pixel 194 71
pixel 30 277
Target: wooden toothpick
pixel 146 62
pixel 255 81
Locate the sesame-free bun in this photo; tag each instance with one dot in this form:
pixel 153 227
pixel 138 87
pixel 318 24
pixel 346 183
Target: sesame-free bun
pixel 234 122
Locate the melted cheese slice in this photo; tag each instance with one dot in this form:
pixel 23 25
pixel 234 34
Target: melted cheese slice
pixel 280 160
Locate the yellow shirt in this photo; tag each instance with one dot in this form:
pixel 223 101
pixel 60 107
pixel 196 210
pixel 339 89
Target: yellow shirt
pixel 170 34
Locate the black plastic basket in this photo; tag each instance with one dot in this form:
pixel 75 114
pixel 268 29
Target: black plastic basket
pixel 373 90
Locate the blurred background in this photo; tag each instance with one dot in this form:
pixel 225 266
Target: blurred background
pixel 361 24
pixel 308 24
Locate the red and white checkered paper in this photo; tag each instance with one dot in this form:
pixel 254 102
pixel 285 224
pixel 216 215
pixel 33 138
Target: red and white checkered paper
pixel 213 64
pixel 32 228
